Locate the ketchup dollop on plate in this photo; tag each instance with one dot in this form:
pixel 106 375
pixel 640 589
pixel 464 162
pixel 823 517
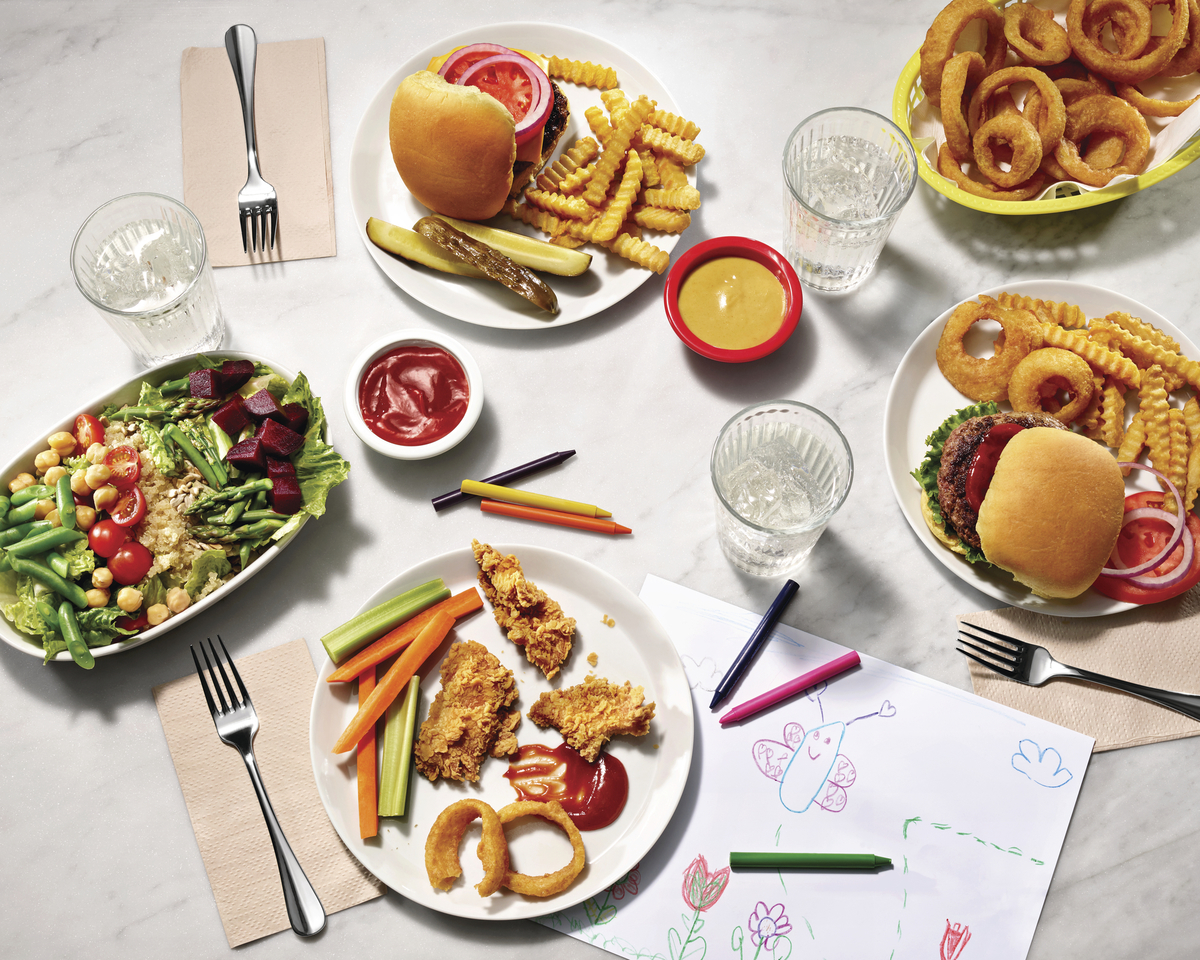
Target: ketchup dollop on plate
pixel 413 395
pixel 592 794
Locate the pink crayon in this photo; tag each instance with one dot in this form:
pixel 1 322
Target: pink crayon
pixel 792 687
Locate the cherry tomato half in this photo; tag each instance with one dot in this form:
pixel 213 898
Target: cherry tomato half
pixel 128 623
pixel 105 538
pixel 1140 540
pixel 130 563
pixel 88 430
pixel 130 508
pixel 124 466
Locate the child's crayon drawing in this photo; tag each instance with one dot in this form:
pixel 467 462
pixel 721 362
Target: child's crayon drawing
pixel 1043 767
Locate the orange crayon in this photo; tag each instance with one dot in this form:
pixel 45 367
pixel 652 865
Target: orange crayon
pixel 552 516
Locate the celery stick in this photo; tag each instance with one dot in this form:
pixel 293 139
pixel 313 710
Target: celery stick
pixel 354 634
pixel 397 751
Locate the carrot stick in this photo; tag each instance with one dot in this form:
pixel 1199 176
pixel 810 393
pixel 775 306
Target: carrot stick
pixel 400 637
pixel 368 807
pixel 394 680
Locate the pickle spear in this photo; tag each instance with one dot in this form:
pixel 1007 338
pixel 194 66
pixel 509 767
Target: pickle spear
pixel 527 251
pixel 412 246
pixel 492 262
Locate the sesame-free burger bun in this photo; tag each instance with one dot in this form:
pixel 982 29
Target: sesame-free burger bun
pixel 453 145
pixel 1053 511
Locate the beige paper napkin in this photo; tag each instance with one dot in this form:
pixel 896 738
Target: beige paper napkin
pixel 1157 645
pixel 292 112
pixel 226 818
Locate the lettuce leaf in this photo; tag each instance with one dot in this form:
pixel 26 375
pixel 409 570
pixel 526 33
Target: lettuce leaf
pixel 80 559
pixel 22 612
pixel 208 563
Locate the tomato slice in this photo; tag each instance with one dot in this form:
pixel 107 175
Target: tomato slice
pixel 129 623
pixel 124 466
pixel 130 563
pixel 130 508
pixel 88 430
pixel 105 538
pixel 1142 539
pixel 507 82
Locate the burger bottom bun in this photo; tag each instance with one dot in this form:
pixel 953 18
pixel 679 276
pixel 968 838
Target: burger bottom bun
pixel 1053 511
pixel 453 146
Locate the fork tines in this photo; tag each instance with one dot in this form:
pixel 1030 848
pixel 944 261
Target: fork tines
pixel 255 215
pixel 232 703
pixel 1000 657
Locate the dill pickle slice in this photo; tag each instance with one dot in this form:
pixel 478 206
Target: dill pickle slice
pixel 492 262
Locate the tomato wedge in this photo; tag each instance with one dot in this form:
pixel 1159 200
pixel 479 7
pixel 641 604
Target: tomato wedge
pixel 1140 540
pixel 88 430
pixel 130 508
pixel 124 466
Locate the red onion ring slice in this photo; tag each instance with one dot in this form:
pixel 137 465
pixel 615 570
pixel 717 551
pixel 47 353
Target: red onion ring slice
pixel 542 97
pixel 473 52
pixel 1178 521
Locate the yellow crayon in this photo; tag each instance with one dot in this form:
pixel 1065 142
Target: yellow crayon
pixel 525 498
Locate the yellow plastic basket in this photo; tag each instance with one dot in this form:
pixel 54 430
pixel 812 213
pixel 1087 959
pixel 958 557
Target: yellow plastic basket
pixel 907 96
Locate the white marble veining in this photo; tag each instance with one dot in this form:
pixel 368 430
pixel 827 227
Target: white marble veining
pixel 99 857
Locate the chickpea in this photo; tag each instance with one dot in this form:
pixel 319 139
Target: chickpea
pixel 53 475
pixel 96 453
pixel 178 600
pixel 20 482
pixel 62 443
pixel 157 613
pixel 106 497
pixel 102 578
pixel 44 508
pixel 54 518
pixel 79 483
pixel 45 460
pixel 85 519
pixel 97 597
pixel 129 599
pixel 97 475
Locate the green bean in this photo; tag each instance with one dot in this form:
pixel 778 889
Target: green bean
pixel 48 578
pixel 5 503
pixel 5 563
pixel 194 455
pixel 74 637
pixel 20 532
pixel 66 501
pixel 36 491
pixel 22 514
pixel 58 563
pixel 41 542
pixel 229 495
pixel 47 613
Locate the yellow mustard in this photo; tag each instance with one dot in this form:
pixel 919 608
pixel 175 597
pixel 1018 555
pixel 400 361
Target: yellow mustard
pixel 732 303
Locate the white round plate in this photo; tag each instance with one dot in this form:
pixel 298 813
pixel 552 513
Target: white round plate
pixel 636 649
pixel 376 189
pixel 920 399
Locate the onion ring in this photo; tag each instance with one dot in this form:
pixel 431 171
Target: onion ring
pixel 1187 60
pixel 1021 136
pixel 1150 106
pixel 1054 123
pixel 1052 368
pixel 964 70
pixel 1034 35
pixel 441 846
pixel 1096 57
pixel 951 169
pixel 986 379
pixel 1107 115
pixel 1129 21
pixel 548 884
pixel 943 34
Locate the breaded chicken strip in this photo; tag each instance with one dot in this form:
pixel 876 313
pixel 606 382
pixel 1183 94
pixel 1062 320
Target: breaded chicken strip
pixel 473 715
pixel 590 714
pixel 532 619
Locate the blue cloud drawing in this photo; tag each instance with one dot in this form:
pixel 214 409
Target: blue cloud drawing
pixel 1043 767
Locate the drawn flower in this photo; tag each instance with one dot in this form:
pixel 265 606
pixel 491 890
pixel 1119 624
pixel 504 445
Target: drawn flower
pixel 702 889
pixel 767 924
pixel 627 885
pixel 954 940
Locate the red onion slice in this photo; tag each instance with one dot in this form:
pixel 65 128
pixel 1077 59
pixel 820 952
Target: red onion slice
pixel 1176 575
pixel 454 67
pixel 541 99
pixel 1178 522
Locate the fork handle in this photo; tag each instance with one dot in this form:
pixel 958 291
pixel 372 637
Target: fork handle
pixel 304 908
pixel 242 47
pixel 1186 703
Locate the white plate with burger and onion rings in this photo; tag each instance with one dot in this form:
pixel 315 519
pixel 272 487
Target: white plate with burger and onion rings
pixel 629 643
pixel 376 189
pixel 920 399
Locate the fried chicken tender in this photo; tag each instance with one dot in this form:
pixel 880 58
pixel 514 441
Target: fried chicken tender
pixel 473 715
pixel 532 619
pixel 590 714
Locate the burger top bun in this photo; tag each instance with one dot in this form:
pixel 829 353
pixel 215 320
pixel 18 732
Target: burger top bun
pixel 453 145
pixel 1053 511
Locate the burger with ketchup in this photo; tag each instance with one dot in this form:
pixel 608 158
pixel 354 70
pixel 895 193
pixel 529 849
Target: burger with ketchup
pixel 472 130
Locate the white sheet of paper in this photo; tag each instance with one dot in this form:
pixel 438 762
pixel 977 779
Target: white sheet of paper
pixel 971 801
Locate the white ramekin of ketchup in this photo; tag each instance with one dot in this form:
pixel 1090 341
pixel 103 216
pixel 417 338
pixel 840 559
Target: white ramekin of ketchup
pixel 413 394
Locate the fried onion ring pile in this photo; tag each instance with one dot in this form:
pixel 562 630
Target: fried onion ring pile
pixel 1038 378
pixel 986 378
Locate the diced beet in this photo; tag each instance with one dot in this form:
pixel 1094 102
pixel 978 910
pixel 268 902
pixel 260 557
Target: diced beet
pixel 249 454
pixel 231 417
pixel 295 416
pixel 236 372
pixel 285 496
pixel 206 384
pixel 280 468
pixel 262 405
pixel 278 439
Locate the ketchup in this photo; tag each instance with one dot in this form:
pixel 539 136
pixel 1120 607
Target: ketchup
pixel 983 463
pixel 592 794
pixel 413 395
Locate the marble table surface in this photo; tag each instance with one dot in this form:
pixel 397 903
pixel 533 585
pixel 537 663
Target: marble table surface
pixel 100 857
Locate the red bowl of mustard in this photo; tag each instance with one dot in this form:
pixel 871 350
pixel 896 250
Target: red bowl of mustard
pixel 733 299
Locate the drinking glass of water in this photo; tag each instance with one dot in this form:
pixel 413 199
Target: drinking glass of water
pixel 780 471
pixel 847 174
pixel 142 262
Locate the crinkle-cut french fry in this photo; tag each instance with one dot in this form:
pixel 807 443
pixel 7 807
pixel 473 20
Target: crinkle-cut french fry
pixel 1143 352
pixel 687 152
pixel 566 240
pixel 625 124
pixel 614 100
pixel 579 155
pixel 1154 409
pixel 639 251
pixel 1089 419
pixel 583 72
pixel 672 173
pixel 1133 442
pixel 1191 416
pixel 548 222
pixel 662 219
pixel 577 181
pixel 674 124
pixel 1108 334
pixel 1112 412
pixel 650 177
pixel 1140 328
pixel 1048 311
pixel 1108 362
pixel 673 198
pixel 1192 486
pixel 1177 465
pixel 575 208
pixel 609 224
pixel 598 124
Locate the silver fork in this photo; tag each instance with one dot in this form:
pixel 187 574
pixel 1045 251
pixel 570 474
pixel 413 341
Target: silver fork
pixel 257 201
pixel 237 723
pixel 1028 663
